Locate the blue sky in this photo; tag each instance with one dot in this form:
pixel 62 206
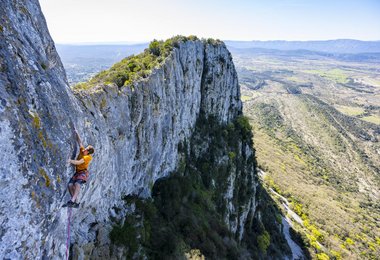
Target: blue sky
pixel 72 21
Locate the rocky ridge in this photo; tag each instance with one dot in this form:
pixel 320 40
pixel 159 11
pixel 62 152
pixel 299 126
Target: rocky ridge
pixel 135 132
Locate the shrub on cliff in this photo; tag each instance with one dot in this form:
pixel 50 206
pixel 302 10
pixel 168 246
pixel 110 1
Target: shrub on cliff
pixel 136 67
pixel 154 47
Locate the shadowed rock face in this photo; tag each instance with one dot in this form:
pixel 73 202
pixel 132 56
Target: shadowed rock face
pixel 135 132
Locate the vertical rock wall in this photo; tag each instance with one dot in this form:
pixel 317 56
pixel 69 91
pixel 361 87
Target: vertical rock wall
pixel 135 133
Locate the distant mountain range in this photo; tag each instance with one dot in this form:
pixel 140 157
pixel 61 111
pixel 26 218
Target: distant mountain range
pixel 331 46
pixel 286 54
pixel 82 61
pixel 115 52
pixel 110 53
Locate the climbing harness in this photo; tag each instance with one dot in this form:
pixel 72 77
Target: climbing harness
pixel 82 175
pixel 68 233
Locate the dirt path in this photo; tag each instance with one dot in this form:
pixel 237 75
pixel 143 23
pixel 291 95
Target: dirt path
pixel 287 223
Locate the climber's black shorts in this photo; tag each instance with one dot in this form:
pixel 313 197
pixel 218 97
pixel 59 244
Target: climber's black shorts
pixel 72 181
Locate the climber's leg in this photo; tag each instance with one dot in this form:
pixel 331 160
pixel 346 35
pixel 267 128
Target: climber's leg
pixel 76 192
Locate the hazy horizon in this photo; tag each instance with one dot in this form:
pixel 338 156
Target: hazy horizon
pixel 224 40
pixel 94 21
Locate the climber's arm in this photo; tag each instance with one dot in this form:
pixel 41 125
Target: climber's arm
pixel 76 162
pixel 78 138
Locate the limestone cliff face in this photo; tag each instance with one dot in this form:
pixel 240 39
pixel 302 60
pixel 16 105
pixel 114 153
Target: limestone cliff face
pixel 135 132
pixel 36 106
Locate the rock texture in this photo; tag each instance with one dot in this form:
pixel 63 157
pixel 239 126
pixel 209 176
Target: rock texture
pixel 36 105
pixel 135 131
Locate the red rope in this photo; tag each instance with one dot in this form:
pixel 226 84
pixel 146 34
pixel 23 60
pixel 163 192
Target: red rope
pixel 68 233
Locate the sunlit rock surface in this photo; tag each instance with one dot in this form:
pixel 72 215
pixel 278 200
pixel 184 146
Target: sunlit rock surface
pixel 135 133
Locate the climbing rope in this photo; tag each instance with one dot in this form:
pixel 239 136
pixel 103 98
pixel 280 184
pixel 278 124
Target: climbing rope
pixel 68 232
pixel 69 209
pixel 74 154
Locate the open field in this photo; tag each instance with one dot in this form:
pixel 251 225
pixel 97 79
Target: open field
pixel 316 124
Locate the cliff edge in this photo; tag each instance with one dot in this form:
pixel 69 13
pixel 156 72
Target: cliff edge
pixel 142 130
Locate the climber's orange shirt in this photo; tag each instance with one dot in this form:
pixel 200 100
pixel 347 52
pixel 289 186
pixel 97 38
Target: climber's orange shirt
pixel 87 159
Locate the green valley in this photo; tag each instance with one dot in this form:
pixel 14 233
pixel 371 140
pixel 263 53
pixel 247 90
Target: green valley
pixel 316 126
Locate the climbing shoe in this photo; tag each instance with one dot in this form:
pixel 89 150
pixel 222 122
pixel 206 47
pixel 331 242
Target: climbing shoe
pixel 75 205
pixel 70 204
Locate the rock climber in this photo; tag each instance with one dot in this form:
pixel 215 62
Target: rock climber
pixel 81 171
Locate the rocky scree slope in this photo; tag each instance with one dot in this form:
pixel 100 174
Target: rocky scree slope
pixel 135 131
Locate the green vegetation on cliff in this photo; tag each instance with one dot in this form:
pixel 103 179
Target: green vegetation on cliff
pixel 188 208
pixel 136 67
pixel 140 66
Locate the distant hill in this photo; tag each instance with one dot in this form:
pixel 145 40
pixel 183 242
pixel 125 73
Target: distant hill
pixel 331 46
pixel 301 53
pixel 81 62
pixel 110 53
